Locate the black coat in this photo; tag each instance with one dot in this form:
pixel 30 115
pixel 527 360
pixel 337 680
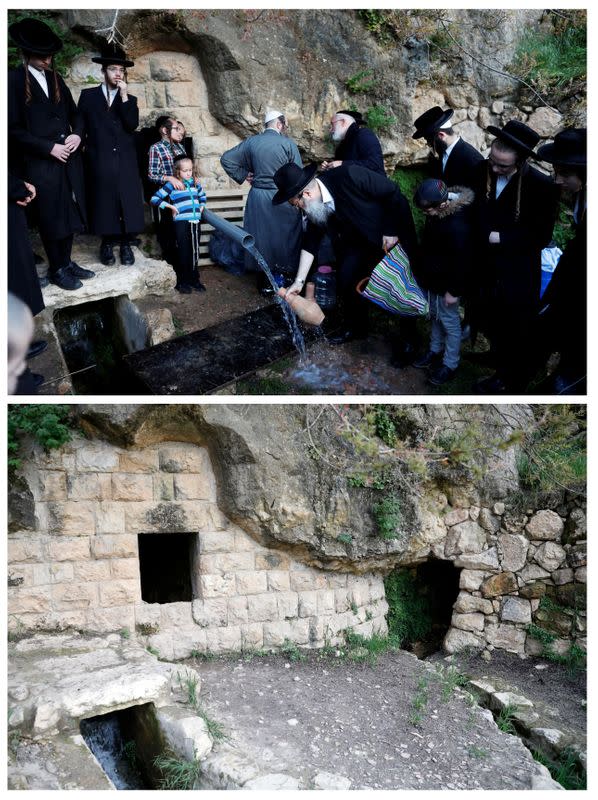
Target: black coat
pixel 447 246
pixel 33 129
pixel 461 165
pixel 368 206
pixel 512 269
pixel 22 275
pixel 361 147
pixel 113 181
pixel 566 294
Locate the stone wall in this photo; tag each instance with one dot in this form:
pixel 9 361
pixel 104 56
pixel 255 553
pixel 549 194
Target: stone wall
pixel 167 82
pixel 523 578
pixel 76 564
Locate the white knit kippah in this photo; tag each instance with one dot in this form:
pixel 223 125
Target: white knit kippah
pixel 271 114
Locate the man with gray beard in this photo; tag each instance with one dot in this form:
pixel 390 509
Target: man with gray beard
pixel 364 213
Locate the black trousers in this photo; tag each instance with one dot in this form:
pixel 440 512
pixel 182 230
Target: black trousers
pixel 58 252
pixel 185 235
pixel 355 261
pixel 165 233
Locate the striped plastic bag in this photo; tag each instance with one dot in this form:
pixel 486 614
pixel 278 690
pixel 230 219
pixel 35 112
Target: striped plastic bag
pixel 393 287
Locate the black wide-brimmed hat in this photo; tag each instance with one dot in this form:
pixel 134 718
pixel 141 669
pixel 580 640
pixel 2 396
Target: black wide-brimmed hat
pixel 431 121
pixel 34 36
pixel 291 179
pixel 113 54
pixel 518 135
pixel 569 149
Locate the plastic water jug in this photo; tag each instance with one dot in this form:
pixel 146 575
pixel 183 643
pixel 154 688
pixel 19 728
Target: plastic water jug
pixel 325 287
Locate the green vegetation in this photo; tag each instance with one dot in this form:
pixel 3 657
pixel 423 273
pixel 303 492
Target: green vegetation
pixel 563 231
pixel 566 769
pixel 188 682
pixel 179 329
pixel 146 628
pixel 555 60
pixel 477 752
pixel 504 719
pixel 379 119
pixel 388 516
pixel 125 633
pixel 408 179
pixel 419 702
pixel 344 538
pixel 152 651
pixel 359 648
pixel 409 617
pixel 49 425
pixel 450 678
pixel 177 773
pixel 554 450
pixel 361 82
pixel 70 47
pixel 291 651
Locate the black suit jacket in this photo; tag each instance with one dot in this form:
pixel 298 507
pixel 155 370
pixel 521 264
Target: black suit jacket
pixel 113 180
pixel 461 165
pixel 368 206
pixel 513 268
pixel 33 130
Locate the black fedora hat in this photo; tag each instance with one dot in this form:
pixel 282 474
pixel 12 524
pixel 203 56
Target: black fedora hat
pixel 34 36
pixel 431 120
pixel 518 135
pixel 569 148
pixel 113 54
pixel 291 180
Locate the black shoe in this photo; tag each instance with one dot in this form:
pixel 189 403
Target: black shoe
pixel 107 254
pixel 80 272
pixel 65 279
pixel 43 282
pixel 441 375
pixel 126 255
pixel 37 379
pixel 403 355
pixel 346 335
pixel 429 359
pixel 491 385
pixel 183 288
pixel 35 348
pixel 198 286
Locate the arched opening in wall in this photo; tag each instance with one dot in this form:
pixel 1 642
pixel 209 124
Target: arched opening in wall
pixel 421 600
pixel 165 565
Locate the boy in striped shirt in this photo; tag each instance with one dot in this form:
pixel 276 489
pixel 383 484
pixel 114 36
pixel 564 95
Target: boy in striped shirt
pixel 187 205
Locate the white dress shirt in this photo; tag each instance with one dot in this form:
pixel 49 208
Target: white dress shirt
pixel 40 77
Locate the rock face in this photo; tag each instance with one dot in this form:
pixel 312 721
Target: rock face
pixel 219 70
pixel 275 542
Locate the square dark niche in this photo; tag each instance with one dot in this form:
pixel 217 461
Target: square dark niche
pixel 165 561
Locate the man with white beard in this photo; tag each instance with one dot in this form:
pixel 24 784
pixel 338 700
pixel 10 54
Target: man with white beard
pixel 356 144
pixel 364 213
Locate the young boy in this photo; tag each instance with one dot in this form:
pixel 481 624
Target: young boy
pixel 187 205
pixel 444 265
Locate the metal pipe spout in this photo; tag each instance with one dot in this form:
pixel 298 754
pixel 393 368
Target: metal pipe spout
pixel 234 232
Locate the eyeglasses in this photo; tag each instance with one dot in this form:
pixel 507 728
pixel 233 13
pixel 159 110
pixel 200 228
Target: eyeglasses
pixel 501 166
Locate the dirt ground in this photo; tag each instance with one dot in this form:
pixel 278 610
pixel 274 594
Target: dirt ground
pixel 392 725
pixel 358 367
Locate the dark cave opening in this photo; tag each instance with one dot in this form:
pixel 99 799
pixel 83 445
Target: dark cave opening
pixel 165 561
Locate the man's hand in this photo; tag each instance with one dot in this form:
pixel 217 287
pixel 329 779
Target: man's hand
pixel 177 184
pixel 61 152
pixel 123 89
pixel 295 288
pixel 26 200
pixel 494 238
pixel 449 299
pixel 249 178
pixel 72 142
pixel 330 165
pixel 388 242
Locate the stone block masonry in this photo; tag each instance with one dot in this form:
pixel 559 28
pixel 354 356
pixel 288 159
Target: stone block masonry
pixel 80 566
